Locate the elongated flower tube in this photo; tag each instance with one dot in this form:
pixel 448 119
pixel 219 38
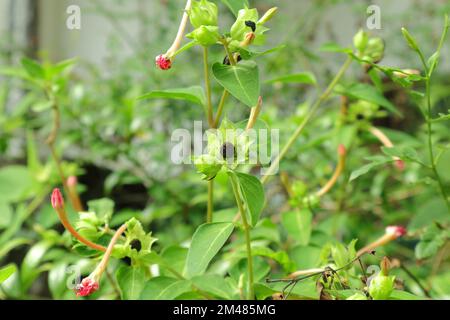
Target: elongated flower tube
pixel 254 113
pixel 388 144
pixel 305 272
pixel 72 183
pixel 164 61
pixel 58 204
pixel 391 233
pixel 91 283
pixel 337 172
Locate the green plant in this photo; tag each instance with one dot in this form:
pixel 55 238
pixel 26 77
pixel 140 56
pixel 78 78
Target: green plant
pixel 248 236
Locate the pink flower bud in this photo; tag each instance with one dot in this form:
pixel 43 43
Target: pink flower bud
pixel 163 62
pixel 400 164
pixel 72 181
pixel 341 150
pixel 57 199
pixel 396 231
pixel 86 287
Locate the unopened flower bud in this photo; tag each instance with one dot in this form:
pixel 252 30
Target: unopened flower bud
pixel 409 38
pixel 248 39
pixel 87 287
pixel 203 13
pixel 57 199
pixel 396 231
pixel 72 181
pixel 341 150
pixel 406 73
pixel 268 15
pixel 205 35
pixel 385 265
pixel 163 62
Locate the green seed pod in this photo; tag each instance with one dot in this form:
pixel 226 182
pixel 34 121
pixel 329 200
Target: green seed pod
pixel 311 201
pixel 203 13
pixel 375 49
pixel 205 35
pixel 240 28
pixel 360 41
pixel 381 287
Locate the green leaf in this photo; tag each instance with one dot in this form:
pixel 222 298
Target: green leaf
pixel 57 280
pixel 7 271
pixel 376 161
pixel 131 281
pixel 15 181
pixel 334 47
pixel 5 215
pixel 33 68
pixel 164 288
pixel 215 285
pixel 298 224
pixel 42 106
pixel 431 241
pixel 241 80
pixel 302 77
pixel 193 94
pixel 207 240
pixel 404 153
pixel 403 295
pixel 253 194
pixel 236 5
pixel 29 268
pixel 368 93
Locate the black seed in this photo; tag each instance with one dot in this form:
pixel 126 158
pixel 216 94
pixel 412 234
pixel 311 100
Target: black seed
pixel 127 261
pixel 136 244
pixel 228 151
pixel 251 25
pixel 226 60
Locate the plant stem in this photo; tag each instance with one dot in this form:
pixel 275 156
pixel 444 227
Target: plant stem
pixel 234 184
pixel 210 209
pixel 220 108
pixel 309 115
pixel 207 88
pixel 210 116
pixel 430 131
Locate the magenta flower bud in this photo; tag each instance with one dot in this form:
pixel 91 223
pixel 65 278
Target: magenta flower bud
pixel 163 62
pixel 57 199
pixel 396 231
pixel 87 287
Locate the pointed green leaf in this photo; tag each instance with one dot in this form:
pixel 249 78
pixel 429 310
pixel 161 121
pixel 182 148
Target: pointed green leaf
pixel 302 77
pixel 236 5
pixel 207 240
pixel 241 80
pixel 6 272
pixel 298 225
pixel 164 288
pixel 33 68
pixel 253 193
pixel 131 282
pixel 368 93
pixel 193 94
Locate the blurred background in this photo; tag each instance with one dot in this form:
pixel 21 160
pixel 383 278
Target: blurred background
pixel 119 147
